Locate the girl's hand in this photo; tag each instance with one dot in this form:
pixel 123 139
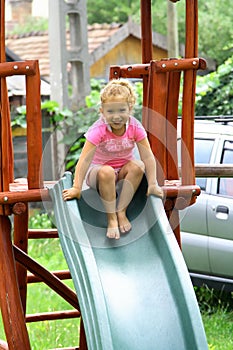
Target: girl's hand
pixel 155 190
pixel 71 193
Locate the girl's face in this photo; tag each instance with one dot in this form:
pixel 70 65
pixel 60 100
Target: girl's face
pixel 116 114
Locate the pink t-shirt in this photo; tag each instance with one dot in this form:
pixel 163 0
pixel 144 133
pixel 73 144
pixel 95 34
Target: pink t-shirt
pixel 111 149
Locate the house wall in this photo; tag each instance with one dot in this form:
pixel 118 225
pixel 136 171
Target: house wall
pixel 127 52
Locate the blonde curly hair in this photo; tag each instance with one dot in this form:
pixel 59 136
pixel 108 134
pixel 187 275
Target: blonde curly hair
pixel 121 88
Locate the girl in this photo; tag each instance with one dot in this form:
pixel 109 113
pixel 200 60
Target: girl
pixel 107 157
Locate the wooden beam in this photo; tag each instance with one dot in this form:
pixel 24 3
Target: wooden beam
pixel 61 274
pixel 52 281
pixel 220 170
pixel 42 233
pixel 10 302
pixel 50 316
pixel 18 68
pixel 35 195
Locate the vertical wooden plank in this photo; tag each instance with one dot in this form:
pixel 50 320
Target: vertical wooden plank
pixel 34 130
pixel 6 149
pixel 147 50
pixel 146 31
pixel 171 131
pixel 171 154
pixel 82 341
pixel 11 307
pixel 6 138
pixel 2 31
pixel 191 48
pixel 21 241
pixel 157 107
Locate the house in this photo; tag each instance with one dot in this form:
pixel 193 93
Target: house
pixel 108 44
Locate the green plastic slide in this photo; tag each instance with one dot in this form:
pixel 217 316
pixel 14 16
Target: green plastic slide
pixel 134 293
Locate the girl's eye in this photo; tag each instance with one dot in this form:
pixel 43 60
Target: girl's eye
pixel 123 110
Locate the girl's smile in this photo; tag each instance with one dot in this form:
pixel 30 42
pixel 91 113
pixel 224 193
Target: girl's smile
pixel 116 114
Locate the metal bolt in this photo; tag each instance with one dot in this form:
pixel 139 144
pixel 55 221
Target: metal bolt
pixel 194 191
pixel 27 67
pixel 129 69
pixel 176 64
pixel 194 63
pixel 16 67
pixel 115 73
pixel 164 65
pixel 5 199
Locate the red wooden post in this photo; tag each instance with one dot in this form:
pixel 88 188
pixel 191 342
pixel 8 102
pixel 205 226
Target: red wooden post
pixel 34 130
pixel 147 50
pixel 171 127
pixel 157 106
pixel 171 145
pixel 191 50
pixel 21 241
pixel 83 341
pixel 11 307
pixel 6 148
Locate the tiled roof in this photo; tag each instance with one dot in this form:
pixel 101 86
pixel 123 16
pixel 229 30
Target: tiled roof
pixel 35 45
pixel 99 33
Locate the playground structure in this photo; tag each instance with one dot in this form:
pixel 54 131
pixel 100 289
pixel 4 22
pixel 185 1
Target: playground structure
pixel 161 84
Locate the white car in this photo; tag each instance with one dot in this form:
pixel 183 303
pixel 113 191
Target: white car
pixel 207 226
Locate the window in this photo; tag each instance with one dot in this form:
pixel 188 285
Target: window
pixel 225 185
pixel 202 154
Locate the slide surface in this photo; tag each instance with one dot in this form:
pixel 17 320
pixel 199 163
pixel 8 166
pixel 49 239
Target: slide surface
pixel 134 293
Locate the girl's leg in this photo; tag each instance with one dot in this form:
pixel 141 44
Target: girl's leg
pixel 131 174
pixel 104 179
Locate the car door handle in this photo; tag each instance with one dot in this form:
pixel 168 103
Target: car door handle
pixel 222 209
pixel 222 212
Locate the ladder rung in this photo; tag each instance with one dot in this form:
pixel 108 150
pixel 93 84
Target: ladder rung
pixel 49 316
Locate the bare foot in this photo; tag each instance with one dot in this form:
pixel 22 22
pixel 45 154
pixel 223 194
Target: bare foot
pixel 123 222
pixel 113 230
pixel 155 190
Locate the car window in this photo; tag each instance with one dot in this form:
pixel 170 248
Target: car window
pixel 202 153
pixel 225 185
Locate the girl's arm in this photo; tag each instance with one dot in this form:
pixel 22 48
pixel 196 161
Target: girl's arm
pixel 148 159
pixel 80 171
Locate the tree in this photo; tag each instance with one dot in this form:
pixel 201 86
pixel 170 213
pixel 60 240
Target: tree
pixel 215 21
pixel 215 91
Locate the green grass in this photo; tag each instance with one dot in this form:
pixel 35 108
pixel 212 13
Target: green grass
pixel 50 334
pixel 216 308
pixel 219 330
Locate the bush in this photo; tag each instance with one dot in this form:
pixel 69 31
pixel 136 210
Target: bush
pixel 215 91
pixel 211 301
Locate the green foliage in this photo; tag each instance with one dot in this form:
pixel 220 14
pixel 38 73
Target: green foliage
pixel 19 118
pixel 74 153
pixel 110 11
pixel 215 21
pixel 215 29
pixel 219 330
pixel 211 301
pixel 215 91
pixel 31 24
pixel 40 220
